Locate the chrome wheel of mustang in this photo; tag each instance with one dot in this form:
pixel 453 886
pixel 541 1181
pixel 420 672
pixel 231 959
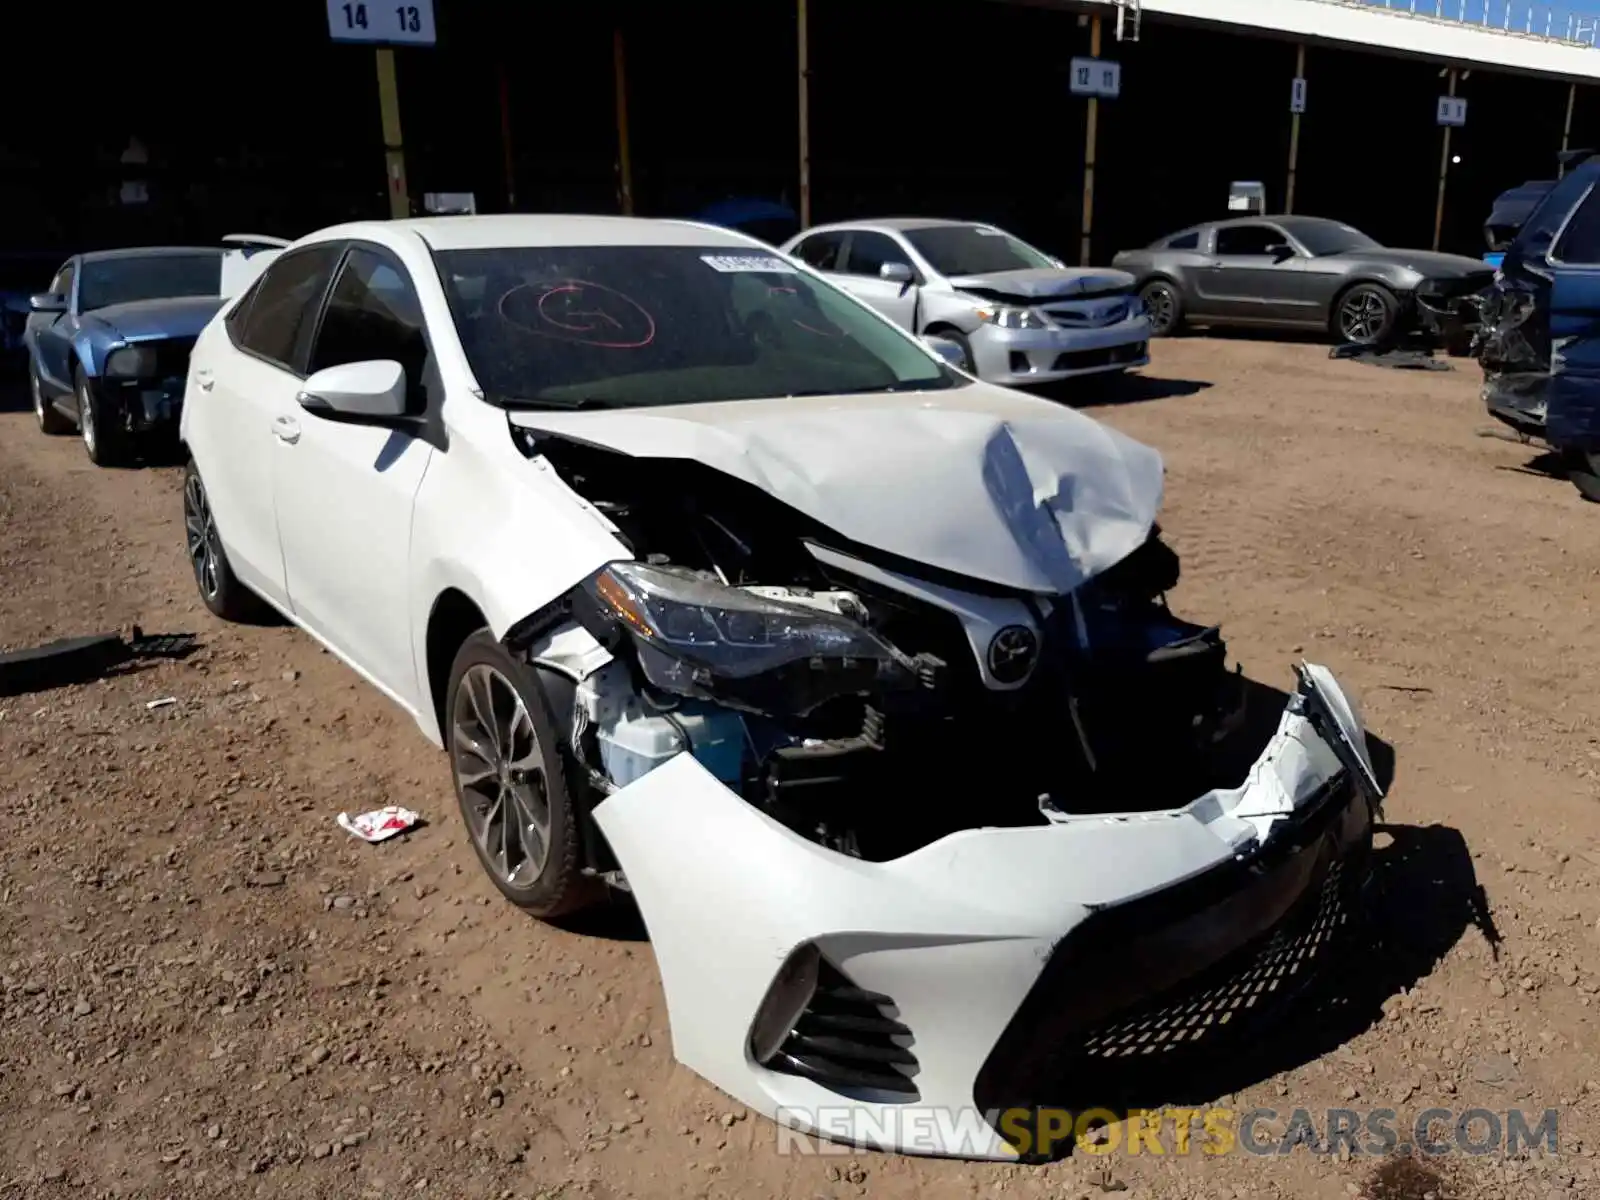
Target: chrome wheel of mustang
pixel 1366 315
pixel 86 420
pixel 205 550
pixel 500 769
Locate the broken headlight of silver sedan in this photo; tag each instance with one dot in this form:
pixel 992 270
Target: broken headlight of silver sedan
pixel 697 637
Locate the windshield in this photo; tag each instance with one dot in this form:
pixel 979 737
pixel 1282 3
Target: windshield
pixel 957 250
pixel 621 326
pixel 1322 238
pixel 109 281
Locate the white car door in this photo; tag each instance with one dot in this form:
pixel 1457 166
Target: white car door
pixel 344 488
pixel 866 255
pixel 243 378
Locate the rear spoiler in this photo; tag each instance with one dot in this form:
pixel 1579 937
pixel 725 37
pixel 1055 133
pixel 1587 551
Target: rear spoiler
pixel 247 255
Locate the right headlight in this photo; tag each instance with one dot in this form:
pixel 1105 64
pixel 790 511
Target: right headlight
pixel 698 637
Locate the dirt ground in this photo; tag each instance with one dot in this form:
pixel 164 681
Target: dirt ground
pixel 207 988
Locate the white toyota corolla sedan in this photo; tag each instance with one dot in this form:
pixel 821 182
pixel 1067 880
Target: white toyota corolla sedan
pixel 719 588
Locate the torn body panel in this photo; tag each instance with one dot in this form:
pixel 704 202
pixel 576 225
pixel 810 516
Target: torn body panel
pixel 952 937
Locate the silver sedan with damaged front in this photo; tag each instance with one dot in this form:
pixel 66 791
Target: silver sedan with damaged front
pixel 1006 311
pixel 718 587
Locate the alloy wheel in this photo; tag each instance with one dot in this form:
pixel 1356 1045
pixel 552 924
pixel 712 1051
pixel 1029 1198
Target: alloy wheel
pixel 86 418
pixel 1159 307
pixel 1362 316
pixel 38 395
pixel 499 767
pixel 205 549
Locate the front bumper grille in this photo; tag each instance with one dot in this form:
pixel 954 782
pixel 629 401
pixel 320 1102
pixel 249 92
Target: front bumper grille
pixel 172 357
pixel 1108 356
pixel 1142 992
pixel 848 1040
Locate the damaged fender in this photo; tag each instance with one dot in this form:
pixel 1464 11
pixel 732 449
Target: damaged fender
pixel 954 934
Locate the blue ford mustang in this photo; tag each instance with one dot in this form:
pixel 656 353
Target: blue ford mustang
pixel 108 344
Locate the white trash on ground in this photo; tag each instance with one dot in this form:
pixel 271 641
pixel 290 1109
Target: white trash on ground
pixel 380 825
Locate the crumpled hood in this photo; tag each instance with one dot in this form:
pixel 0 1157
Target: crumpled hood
pixel 143 320
pixel 983 482
pixel 1428 262
pixel 1048 282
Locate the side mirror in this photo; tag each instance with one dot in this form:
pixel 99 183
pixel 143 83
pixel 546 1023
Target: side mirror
pixel 47 302
pixel 1279 251
pixel 895 272
pixel 374 390
pixel 952 354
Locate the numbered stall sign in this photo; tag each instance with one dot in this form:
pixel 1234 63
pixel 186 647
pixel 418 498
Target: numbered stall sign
pixel 1297 96
pixel 1452 110
pixel 1096 77
pixel 378 22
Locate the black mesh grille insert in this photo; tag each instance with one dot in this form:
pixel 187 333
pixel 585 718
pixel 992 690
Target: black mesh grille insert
pixel 849 1040
pixel 1143 994
pixel 1276 971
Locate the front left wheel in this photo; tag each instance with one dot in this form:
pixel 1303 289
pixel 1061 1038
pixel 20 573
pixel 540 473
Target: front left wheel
pixel 511 781
pixel 104 442
pixel 1366 315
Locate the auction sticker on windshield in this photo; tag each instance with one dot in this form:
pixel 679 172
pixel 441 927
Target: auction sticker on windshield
pixel 763 263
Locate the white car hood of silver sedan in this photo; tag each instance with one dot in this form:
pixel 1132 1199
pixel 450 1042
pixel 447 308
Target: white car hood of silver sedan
pixel 987 483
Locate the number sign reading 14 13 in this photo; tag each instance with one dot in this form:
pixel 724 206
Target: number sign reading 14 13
pixel 381 22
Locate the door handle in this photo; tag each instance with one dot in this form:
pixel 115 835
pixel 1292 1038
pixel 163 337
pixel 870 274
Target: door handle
pixel 286 429
pixel 204 381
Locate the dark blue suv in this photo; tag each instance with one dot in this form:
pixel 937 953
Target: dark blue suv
pixel 1539 343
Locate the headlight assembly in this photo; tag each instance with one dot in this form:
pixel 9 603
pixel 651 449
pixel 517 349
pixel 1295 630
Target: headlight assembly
pixel 698 637
pixel 1013 318
pixel 131 362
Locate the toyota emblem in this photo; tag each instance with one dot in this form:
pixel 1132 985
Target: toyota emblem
pixel 1012 654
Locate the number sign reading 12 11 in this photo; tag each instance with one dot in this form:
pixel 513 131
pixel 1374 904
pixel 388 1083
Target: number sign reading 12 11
pixel 381 22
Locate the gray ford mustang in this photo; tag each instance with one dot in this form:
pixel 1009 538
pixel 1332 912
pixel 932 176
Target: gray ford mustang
pixel 1304 273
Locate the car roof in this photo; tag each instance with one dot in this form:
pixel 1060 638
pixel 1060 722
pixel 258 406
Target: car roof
pixel 508 230
pixel 94 256
pixel 895 224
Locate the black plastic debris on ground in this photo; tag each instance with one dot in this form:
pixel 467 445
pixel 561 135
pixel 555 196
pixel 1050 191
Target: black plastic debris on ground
pixel 80 659
pixel 1402 358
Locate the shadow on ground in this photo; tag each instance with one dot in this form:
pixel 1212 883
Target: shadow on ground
pixel 1102 392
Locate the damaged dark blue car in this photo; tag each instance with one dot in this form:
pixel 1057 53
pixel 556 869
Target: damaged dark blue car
pixel 1539 342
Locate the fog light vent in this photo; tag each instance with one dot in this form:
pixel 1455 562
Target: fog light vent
pixel 838 1035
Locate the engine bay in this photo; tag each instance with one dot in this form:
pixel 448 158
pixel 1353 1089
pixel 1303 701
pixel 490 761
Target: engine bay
pixel 870 704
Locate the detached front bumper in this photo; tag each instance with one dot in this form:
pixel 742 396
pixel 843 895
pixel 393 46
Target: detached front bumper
pixel 960 981
pixel 1022 356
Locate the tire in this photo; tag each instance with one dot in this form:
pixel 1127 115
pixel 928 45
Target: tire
pixel 506 759
pixel 1164 306
pixel 105 444
pixel 220 589
pixel 52 421
pixel 959 339
pixel 1365 315
pixel 1584 472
